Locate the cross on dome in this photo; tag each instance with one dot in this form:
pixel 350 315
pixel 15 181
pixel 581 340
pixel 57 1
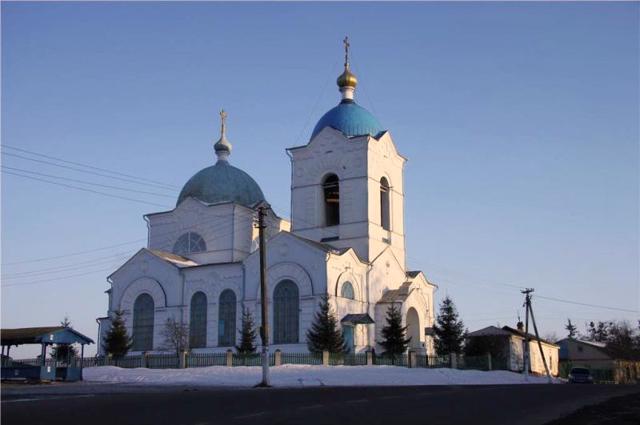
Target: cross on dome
pixel 223 146
pixel 347 81
pixel 346 52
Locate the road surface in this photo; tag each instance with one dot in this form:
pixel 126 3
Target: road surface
pixel 113 404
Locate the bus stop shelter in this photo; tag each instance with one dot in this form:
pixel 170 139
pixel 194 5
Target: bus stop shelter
pixel 69 369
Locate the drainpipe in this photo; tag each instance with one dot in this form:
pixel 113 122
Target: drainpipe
pixel 146 219
pixel 290 190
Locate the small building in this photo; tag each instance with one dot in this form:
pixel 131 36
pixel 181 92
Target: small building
pixel 506 346
pixel 41 368
pixel 604 364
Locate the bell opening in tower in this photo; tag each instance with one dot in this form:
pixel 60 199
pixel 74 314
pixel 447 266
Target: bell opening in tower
pixel 331 188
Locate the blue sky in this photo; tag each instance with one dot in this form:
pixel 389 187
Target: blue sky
pixel 520 122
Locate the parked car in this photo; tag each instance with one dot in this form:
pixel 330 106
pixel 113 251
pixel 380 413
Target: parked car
pixel 580 375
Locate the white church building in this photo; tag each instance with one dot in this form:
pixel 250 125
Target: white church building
pixel 345 240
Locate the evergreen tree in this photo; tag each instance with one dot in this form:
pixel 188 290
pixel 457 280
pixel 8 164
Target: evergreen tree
pixel 324 333
pixel 394 334
pixel 117 342
pixel 247 334
pixel 449 329
pixel 571 329
pixel 64 352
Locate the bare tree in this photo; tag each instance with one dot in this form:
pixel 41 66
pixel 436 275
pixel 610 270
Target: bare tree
pixel 176 336
pixel 551 337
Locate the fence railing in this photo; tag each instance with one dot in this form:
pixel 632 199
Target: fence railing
pixel 348 359
pixel 194 360
pixel 301 358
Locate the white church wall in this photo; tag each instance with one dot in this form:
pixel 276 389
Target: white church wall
pixel 386 273
pixel 226 228
pixel 213 280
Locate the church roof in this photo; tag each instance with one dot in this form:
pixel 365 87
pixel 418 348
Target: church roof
pixel 323 246
pixel 222 182
pixel 349 118
pixel 357 319
pixel 173 258
pixel 396 295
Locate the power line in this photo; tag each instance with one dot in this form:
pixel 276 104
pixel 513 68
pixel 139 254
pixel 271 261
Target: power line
pixel 87 183
pixel 88 166
pixel 67 267
pixel 73 254
pixel 85 171
pixel 35 282
pixel 226 226
pixel 173 232
pixel 97 192
pixel 560 300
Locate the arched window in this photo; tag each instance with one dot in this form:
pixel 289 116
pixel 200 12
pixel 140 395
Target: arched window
pixel 189 243
pixel 331 190
pixel 198 321
pixel 286 314
pixel 385 221
pixel 227 319
pixel 347 291
pixel 143 310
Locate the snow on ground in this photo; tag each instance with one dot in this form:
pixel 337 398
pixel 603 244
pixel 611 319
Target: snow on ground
pixel 305 376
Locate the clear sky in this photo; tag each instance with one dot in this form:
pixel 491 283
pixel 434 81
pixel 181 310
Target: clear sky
pixel 520 122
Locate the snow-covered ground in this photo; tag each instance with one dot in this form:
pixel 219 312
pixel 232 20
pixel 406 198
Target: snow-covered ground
pixel 305 376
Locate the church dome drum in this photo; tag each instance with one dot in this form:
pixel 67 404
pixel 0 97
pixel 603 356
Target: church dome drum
pixel 222 182
pixel 349 118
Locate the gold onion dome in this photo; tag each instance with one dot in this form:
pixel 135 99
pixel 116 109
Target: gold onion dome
pixel 347 78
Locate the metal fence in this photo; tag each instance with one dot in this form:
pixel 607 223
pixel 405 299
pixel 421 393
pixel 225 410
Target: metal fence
pixel 194 360
pixel 301 358
pixel 348 359
pixel 390 360
pixel 422 360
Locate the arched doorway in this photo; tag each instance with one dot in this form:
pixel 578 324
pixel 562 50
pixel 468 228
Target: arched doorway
pixel 413 329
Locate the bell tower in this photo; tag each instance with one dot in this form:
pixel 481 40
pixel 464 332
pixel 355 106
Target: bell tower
pixel 347 182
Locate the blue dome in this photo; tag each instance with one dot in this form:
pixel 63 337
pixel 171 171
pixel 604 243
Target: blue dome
pixel 349 118
pixel 222 182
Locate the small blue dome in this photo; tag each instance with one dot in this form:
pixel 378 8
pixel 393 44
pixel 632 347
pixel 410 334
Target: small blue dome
pixel 349 118
pixel 222 182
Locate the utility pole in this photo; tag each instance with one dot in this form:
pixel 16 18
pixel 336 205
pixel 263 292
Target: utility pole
pixel 264 329
pixel 527 301
pixel 535 328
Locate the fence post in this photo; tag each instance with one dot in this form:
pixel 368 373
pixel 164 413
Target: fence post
pixel 278 357
pixel 145 360
pixel 412 357
pixel 453 358
pixel 229 358
pixel 325 358
pixel 489 361
pixel 183 359
pixel 369 358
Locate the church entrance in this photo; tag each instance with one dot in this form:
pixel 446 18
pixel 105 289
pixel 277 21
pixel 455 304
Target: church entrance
pixel 347 332
pixel 413 329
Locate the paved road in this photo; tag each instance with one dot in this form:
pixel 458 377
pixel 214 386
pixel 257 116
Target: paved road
pixel 126 404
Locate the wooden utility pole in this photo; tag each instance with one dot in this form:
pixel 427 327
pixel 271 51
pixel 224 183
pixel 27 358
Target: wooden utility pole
pixel 535 328
pixel 264 329
pixel 526 360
